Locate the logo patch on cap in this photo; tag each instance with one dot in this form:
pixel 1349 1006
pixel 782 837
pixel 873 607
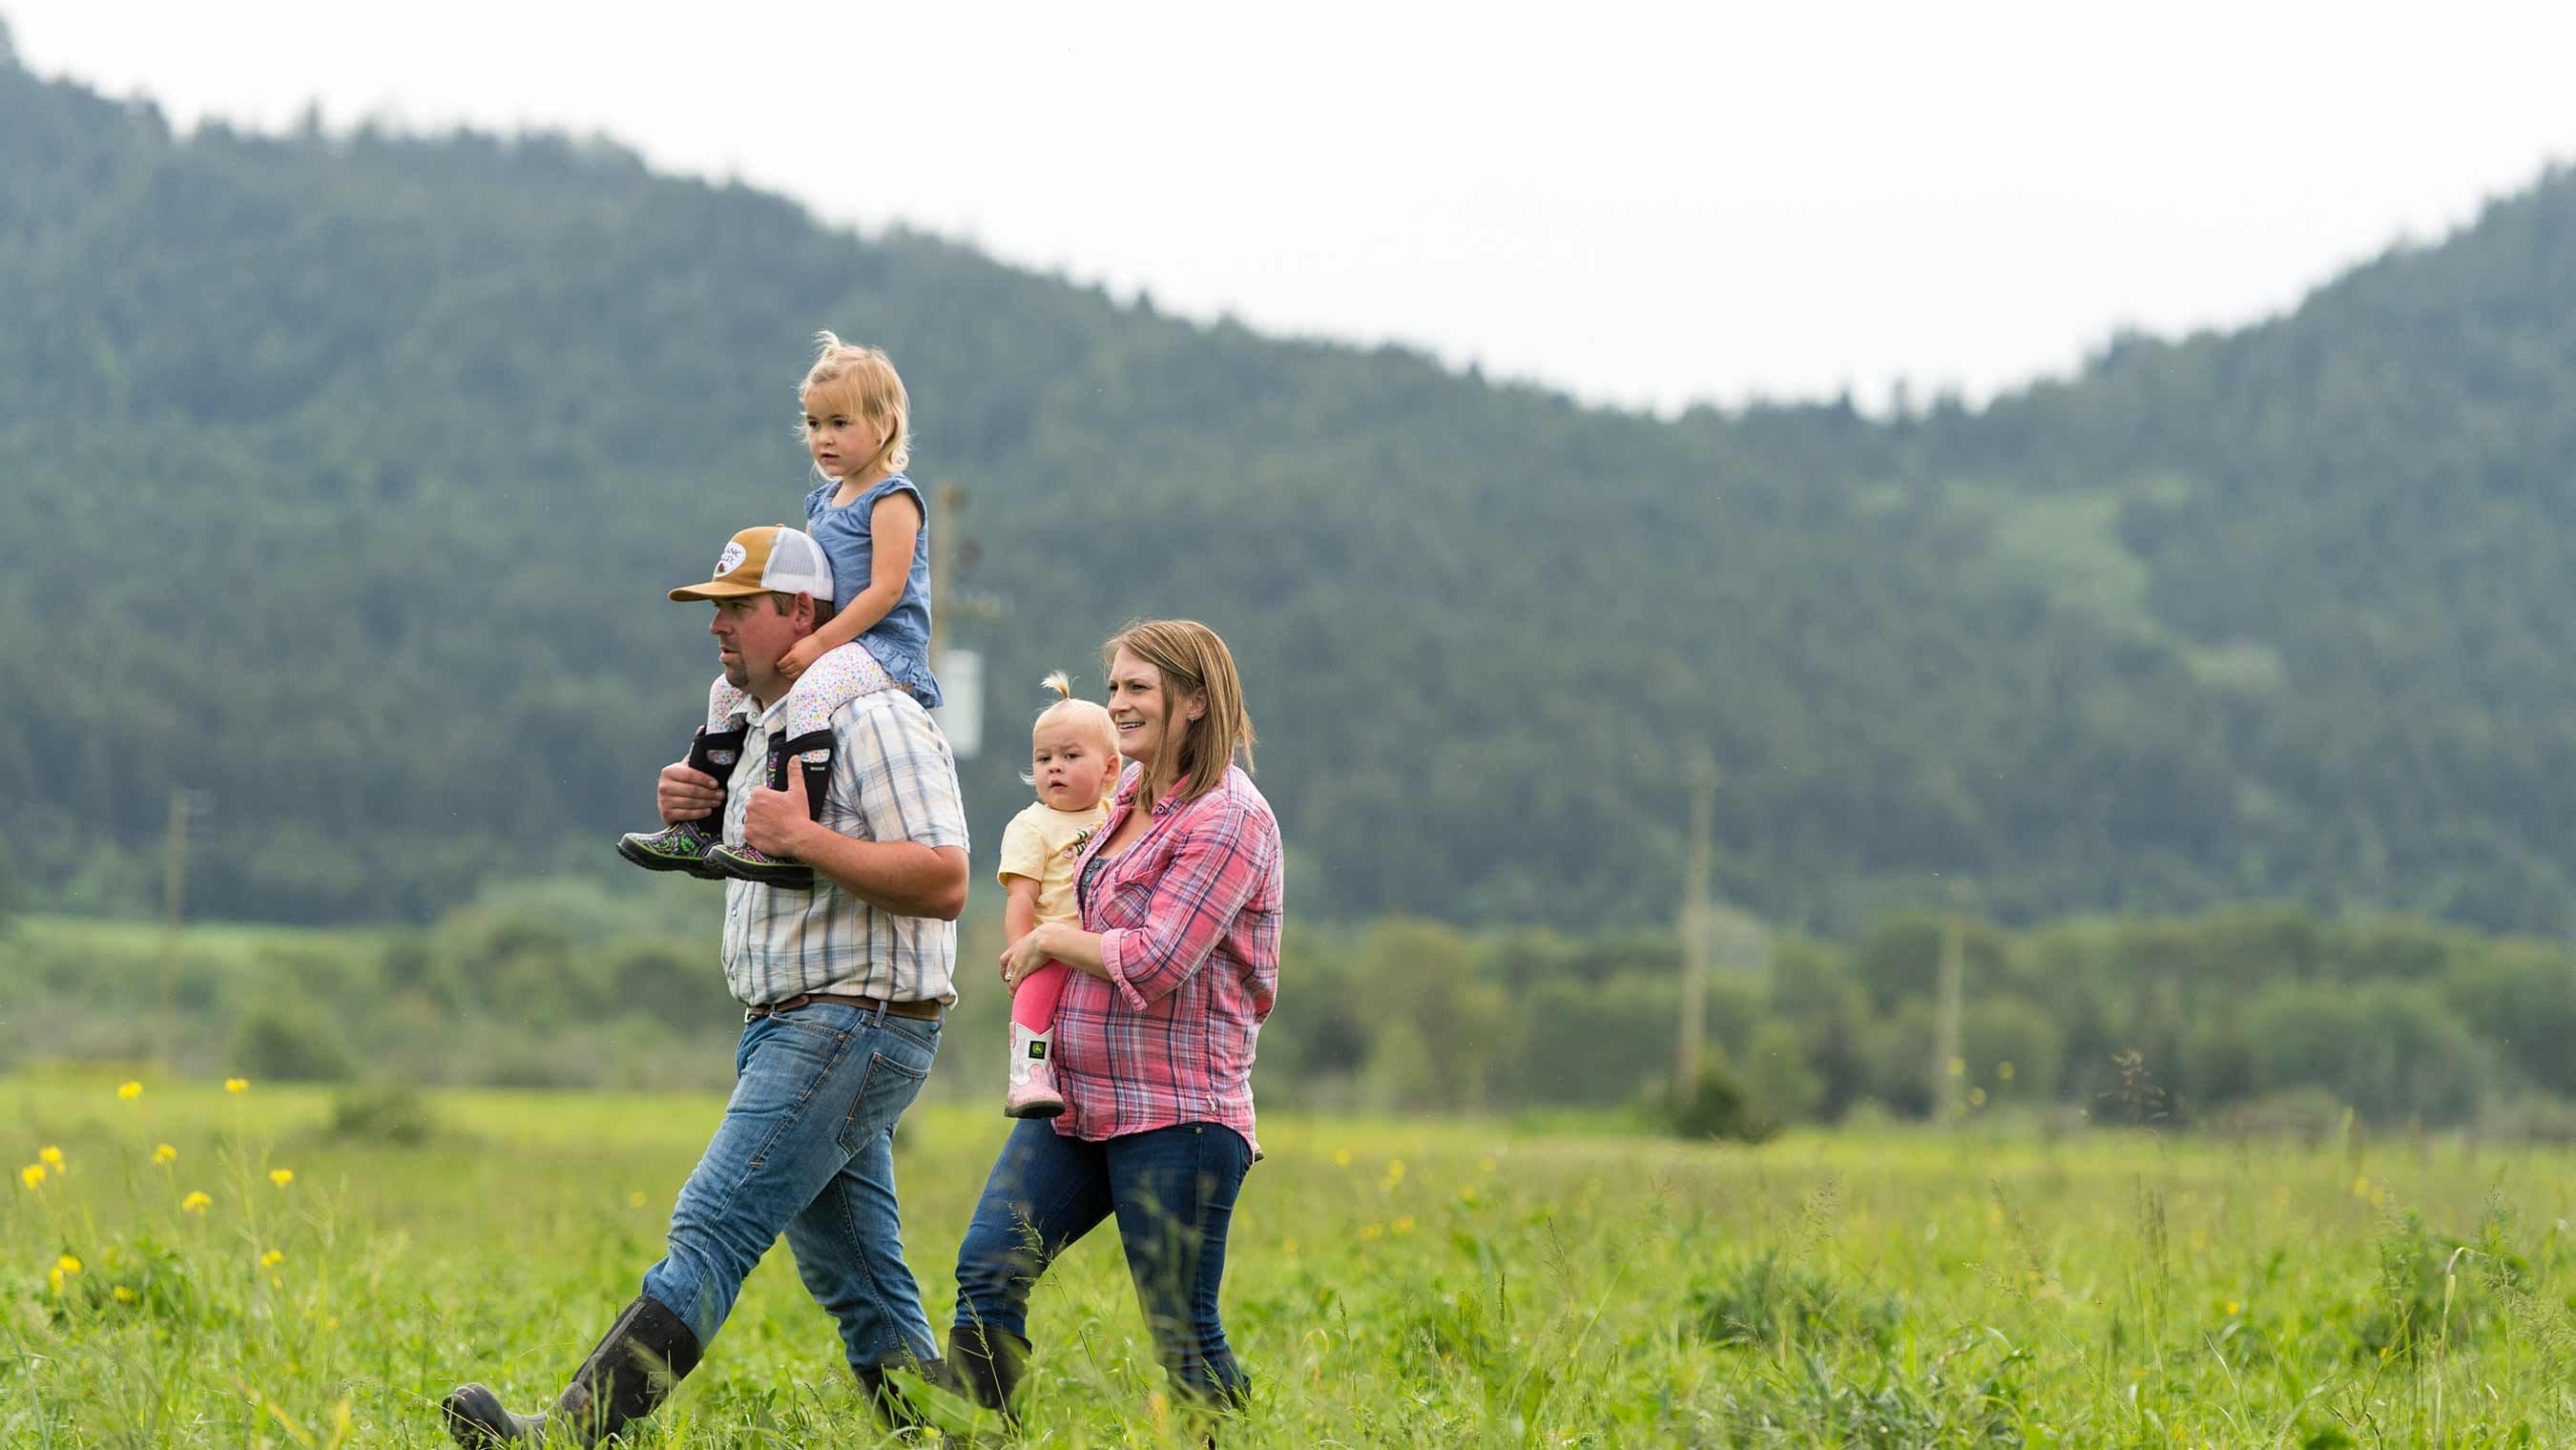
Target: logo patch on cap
pixel 730 560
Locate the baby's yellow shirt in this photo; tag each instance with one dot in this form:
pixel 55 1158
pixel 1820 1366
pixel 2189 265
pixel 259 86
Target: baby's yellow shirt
pixel 1041 843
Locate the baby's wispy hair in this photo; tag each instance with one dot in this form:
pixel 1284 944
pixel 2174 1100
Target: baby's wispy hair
pixel 1091 711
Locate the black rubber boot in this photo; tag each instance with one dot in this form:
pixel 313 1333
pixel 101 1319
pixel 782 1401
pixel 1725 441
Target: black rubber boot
pixel 749 863
pixel 893 1406
pixel 685 846
pixel 986 1366
pixel 646 1352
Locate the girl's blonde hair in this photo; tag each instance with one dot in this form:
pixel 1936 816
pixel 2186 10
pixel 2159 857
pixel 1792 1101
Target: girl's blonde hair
pixel 1192 661
pixel 861 381
pixel 1089 711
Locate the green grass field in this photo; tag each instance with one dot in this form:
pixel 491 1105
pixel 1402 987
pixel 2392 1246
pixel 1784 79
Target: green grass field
pixel 1390 1284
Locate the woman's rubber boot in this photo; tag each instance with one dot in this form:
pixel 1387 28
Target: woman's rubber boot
pixel 647 1352
pixel 1032 1093
pixel 987 1365
pixel 747 862
pixel 685 846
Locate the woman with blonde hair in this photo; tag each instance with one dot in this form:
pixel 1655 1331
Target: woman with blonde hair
pixel 1175 964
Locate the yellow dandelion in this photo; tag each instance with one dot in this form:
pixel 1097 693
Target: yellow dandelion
pixel 122 1294
pixel 635 1199
pixel 165 1154
pixel 281 1176
pixel 51 1158
pixel 1373 1231
pixel 2361 1186
pixel 1467 1194
pixel 236 1084
pixel 129 1090
pixel 1287 1246
pixel 2003 1072
pixel 67 1264
pixel 1395 1170
pixel 271 1259
pixel 331 1322
pixel 33 1175
pixel 1976 1097
pixel 2233 1308
pixel 1404 1225
pixel 54 1278
pixel 194 1203
pixel 1341 1157
pixel 1956 1067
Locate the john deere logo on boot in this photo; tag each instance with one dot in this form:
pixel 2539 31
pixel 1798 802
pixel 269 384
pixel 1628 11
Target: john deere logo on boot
pixel 1037 1050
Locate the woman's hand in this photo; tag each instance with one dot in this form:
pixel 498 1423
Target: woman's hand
pixel 1027 955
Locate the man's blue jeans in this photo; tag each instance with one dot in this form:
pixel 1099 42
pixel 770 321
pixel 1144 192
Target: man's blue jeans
pixel 1173 1191
pixel 807 1146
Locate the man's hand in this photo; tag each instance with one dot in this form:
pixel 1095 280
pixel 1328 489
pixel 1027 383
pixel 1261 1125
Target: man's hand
pixel 686 793
pixel 779 819
pixel 799 658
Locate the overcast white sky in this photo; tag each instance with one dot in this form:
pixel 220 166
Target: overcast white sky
pixel 1643 204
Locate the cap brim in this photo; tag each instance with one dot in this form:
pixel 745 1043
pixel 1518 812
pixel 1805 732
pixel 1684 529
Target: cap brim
pixel 714 590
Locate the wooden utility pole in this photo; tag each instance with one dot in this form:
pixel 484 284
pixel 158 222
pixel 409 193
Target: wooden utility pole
pixel 961 672
pixel 1691 1039
pixel 945 500
pixel 174 889
pixel 1949 1070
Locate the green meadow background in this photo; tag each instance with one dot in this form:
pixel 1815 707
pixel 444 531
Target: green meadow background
pixel 2204 708
pixel 1392 1282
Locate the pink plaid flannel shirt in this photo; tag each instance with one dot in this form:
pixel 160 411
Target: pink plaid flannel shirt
pixel 1188 919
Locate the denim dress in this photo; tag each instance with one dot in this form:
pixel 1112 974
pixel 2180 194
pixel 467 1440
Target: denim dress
pixel 901 640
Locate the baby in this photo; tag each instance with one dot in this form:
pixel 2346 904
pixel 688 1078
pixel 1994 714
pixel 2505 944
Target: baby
pixel 1073 762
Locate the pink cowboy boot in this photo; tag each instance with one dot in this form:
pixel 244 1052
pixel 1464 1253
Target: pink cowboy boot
pixel 1032 1092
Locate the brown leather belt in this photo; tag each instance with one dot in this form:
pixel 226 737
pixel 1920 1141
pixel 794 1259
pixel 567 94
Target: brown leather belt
pixel 928 1011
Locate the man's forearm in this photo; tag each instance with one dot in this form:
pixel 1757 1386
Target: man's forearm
pixel 904 877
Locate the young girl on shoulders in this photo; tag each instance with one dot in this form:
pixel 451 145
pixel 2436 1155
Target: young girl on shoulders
pixel 874 529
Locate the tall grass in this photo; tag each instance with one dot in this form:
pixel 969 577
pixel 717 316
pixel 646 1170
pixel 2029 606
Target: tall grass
pixel 1390 1283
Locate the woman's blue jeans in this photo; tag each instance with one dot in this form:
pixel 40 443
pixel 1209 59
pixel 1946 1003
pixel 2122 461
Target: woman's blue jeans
pixel 807 1147
pixel 1172 1190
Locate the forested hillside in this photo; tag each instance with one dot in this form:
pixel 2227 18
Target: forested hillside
pixel 343 474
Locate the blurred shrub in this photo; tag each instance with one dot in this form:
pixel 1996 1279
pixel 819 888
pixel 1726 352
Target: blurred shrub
pixel 2394 1050
pixel 290 1042
pixel 1719 1106
pixel 382 1112
pixel 678 984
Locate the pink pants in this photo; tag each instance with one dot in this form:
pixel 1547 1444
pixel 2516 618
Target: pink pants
pixel 1033 1002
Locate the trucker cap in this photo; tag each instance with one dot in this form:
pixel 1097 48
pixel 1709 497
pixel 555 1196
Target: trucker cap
pixel 770 559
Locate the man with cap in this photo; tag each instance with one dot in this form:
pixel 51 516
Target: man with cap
pixel 843 986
